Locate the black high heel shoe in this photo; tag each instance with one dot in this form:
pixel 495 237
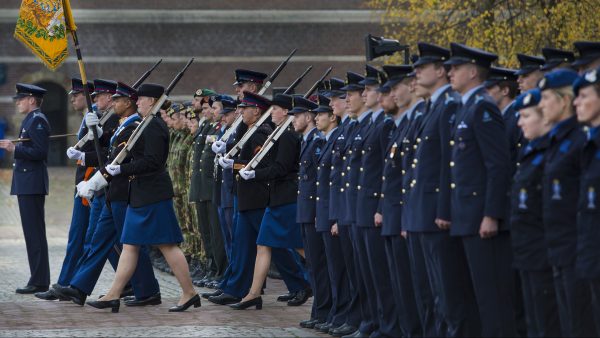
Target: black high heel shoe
pixel 249 303
pixel 193 301
pixel 114 304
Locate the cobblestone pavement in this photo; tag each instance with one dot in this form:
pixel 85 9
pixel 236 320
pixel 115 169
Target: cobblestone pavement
pixel 25 315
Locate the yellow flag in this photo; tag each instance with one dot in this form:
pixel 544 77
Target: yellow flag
pixel 41 27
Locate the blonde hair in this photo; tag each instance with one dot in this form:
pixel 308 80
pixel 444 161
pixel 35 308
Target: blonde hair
pixel 562 93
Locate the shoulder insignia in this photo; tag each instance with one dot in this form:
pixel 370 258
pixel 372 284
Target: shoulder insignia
pixel 462 125
pixel 449 99
pixel 478 98
pixel 486 116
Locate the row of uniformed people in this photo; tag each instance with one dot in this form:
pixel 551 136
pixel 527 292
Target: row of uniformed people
pixel 444 216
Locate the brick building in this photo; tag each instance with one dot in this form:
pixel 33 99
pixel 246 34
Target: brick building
pixel 121 39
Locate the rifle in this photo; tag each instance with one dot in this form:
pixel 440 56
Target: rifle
pixel 262 90
pixel 276 134
pixel 51 137
pixel 140 128
pixel 238 146
pixel 110 112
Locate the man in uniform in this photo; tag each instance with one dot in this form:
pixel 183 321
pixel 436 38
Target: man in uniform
pixel 30 182
pixel 529 72
pixel 429 199
pixel 557 58
pixel 366 164
pixel 479 173
pixel 389 211
pixel 207 212
pixel 589 56
pixel 310 149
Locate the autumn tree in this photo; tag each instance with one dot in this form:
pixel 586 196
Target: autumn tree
pixel 505 27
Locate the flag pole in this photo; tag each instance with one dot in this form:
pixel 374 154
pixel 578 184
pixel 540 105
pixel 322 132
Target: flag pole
pixel 72 28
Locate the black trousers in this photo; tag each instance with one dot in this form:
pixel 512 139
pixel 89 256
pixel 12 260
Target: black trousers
pixel 212 238
pixel 539 298
pixel 314 251
pixel 31 208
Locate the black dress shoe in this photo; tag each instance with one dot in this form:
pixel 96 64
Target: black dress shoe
pixel 75 295
pixel 46 295
pixel 300 298
pixel 309 323
pixel 207 295
pixel 356 334
pixel 114 304
pixel 195 301
pixel 257 302
pixel 224 299
pixel 152 300
pixel 343 330
pixel 29 289
pixel 286 297
pixel 323 327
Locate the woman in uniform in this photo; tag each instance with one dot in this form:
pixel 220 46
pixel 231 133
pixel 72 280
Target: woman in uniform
pixel 150 218
pixel 587 104
pixel 560 192
pixel 278 228
pixel 527 227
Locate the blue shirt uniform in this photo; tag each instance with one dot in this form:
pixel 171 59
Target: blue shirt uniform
pixel 310 150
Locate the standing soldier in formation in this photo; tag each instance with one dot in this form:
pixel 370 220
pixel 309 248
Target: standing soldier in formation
pixel 30 182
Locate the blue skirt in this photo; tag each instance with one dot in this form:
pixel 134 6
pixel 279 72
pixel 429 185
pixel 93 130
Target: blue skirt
pixel 279 229
pixel 151 224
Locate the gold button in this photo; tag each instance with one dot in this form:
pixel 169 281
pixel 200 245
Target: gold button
pixel 342 190
pixel 317 198
pixel 347 185
pixel 403 172
pixel 311 197
pixel 343 174
pixel 383 178
pixel 382 196
pixel 419 140
pixel 330 184
pixel 414 166
pixel 375 194
pixel 331 168
pixel 474 193
pixel 404 191
pixel 452 163
pixel 350 152
pixel 401 153
pixel 317 183
pixel 452 185
pixel 415 147
pixel 344 158
pixel 437 189
pixel 358 187
pixel 451 142
pixel 415 160
pixel 363 152
pixel 361 169
pixel 348 168
pixel 298 192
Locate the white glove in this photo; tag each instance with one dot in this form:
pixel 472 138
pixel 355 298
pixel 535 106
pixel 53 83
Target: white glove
pixel 91 119
pixel 86 189
pixel 226 163
pixel 247 174
pixel 90 135
pixel 75 154
pixel 113 169
pixel 219 147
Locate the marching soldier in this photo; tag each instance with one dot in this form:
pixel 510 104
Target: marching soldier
pixel 107 233
pixel 150 219
pixel 479 172
pixel 30 182
pixel 81 208
pixel 530 256
pixel 245 81
pixel 278 231
pixel 561 184
pixel 587 104
pixel 252 198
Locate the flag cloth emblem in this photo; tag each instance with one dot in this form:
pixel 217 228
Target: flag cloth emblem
pixel 41 27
